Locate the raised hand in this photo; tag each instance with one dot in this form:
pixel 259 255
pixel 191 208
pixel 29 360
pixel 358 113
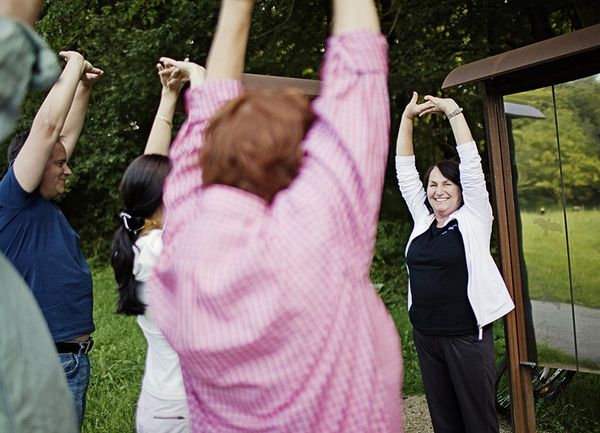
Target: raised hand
pixel 440 105
pixel 414 109
pixel 171 78
pixel 184 69
pixel 90 74
pixel 68 56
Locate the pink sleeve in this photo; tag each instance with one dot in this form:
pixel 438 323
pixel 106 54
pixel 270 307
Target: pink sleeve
pixel 185 178
pixel 351 134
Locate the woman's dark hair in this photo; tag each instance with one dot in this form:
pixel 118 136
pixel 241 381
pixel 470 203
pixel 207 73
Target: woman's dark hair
pixel 450 170
pixel 141 196
pixel 16 144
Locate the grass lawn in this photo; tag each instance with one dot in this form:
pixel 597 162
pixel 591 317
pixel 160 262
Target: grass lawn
pixel 119 352
pixel 117 363
pixel 545 250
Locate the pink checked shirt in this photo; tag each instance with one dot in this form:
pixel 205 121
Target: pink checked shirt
pixel 270 308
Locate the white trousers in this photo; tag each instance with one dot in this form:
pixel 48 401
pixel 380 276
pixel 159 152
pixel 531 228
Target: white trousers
pixel 155 415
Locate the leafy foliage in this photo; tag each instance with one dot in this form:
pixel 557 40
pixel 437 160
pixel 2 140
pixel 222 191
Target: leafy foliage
pixel 427 39
pixel 388 270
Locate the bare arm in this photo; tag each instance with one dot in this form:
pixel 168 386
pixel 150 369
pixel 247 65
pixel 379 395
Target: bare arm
pixel 351 15
pixel 69 135
pixel 25 11
pixel 159 139
pixel 48 123
pixel 404 143
pixel 227 54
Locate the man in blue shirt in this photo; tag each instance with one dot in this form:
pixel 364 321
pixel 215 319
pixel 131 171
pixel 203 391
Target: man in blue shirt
pixel 34 234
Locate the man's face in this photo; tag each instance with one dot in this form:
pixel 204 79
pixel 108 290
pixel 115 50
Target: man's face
pixel 56 173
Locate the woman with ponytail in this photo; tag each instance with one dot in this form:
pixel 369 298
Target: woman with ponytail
pixel 162 405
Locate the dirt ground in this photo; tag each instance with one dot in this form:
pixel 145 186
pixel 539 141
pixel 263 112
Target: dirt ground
pixel 416 416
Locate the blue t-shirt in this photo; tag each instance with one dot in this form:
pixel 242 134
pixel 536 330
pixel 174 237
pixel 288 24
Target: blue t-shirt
pixel 44 248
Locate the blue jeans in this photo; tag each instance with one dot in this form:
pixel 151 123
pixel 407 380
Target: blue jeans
pixel 77 371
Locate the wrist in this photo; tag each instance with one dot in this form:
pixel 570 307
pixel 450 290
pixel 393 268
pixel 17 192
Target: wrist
pixel 197 78
pixel 458 110
pixel 167 119
pixel 406 116
pixel 86 85
pixel 167 92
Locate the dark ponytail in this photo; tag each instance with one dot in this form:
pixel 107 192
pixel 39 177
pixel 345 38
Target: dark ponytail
pixel 141 196
pixel 122 263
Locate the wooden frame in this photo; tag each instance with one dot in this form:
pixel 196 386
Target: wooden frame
pixel 268 82
pixel 557 60
pixel 271 82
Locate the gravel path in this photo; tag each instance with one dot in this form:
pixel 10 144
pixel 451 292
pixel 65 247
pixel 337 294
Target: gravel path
pixel 416 416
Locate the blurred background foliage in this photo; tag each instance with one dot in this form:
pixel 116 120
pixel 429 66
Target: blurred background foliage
pixel 427 38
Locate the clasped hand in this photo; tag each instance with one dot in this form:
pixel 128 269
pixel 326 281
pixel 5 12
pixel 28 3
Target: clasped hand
pixel 432 104
pixel 89 74
pixel 182 70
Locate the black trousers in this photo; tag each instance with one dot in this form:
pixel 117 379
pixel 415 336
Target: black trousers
pixel 459 379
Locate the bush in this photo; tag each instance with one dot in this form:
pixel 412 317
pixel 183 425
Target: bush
pixel 389 264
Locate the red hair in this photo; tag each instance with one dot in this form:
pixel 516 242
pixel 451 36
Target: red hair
pixel 253 142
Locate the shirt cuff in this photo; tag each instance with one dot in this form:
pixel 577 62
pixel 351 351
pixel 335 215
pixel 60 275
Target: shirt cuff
pixel 205 100
pixel 466 149
pixel 404 161
pixel 362 51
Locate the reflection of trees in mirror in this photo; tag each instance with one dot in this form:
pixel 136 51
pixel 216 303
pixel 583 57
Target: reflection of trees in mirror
pixel 578 112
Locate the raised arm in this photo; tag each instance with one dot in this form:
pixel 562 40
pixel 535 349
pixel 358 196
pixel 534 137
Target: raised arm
pixel 228 50
pixel 69 136
pixel 225 62
pixel 351 15
pixel 404 143
pixel 472 179
pixel 159 139
pixel 49 122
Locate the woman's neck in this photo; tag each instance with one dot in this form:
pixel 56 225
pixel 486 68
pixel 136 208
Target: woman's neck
pixel 153 223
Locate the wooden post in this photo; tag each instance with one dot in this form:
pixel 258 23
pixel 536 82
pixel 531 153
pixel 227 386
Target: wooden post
pixel 523 409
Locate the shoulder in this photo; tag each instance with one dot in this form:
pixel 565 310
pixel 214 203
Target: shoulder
pixel 147 249
pixel 11 192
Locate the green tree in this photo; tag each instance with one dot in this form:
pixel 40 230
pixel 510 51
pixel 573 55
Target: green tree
pixel 427 40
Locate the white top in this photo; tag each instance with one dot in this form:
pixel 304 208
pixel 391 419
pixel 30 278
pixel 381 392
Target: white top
pixel 486 290
pixel 162 375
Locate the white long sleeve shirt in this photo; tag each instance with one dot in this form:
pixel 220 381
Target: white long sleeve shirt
pixel 486 290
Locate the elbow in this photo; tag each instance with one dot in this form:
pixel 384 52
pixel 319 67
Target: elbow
pixel 47 126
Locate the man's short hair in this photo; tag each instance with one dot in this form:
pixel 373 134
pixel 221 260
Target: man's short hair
pixel 16 145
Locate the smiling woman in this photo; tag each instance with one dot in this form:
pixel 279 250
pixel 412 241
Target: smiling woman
pixel 455 290
pixel 444 192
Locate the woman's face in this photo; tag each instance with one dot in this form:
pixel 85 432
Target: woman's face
pixel 443 195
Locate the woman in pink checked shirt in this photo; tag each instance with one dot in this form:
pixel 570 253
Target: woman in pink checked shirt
pixel 263 284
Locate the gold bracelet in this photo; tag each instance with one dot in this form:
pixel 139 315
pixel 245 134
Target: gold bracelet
pixel 455 113
pixel 164 119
